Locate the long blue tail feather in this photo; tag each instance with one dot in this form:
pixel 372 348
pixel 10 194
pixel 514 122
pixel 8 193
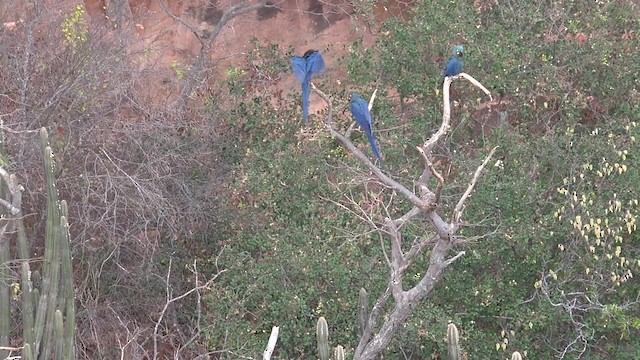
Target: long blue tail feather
pixel 304 67
pixel 306 89
pixel 360 110
pixel 374 146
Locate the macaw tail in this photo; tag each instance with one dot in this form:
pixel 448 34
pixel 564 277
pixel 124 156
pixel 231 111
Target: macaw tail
pixel 374 146
pixel 306 89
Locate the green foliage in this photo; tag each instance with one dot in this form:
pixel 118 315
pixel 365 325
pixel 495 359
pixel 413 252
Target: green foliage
pixel 453 341
pixel 363 311
pixel 179 69
pixel 540 254
pixel 286 225
pixel 235 80
pixel 601 208
pixel 235 72
pixel 269 61
pixel 547 80
pixel 596 217
pixel 74 28
pixel 515 50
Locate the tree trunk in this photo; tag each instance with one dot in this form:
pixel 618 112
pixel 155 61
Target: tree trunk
pixel 119 14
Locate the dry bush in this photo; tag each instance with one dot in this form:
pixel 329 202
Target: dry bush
pixel 138 178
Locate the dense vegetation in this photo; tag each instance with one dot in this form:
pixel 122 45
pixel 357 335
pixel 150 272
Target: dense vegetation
pixel 233 182
pixel 550 273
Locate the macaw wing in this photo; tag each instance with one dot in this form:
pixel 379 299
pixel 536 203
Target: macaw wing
pixel 299 67
pixel 451 68
pixel 360 110
pixel 315 63
pixel 459 66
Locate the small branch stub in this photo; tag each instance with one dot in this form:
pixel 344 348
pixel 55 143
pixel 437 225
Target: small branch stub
pixel 271 345
pixel 338 353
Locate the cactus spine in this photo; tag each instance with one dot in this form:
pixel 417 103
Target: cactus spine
pixel 453 342
pixel 48 313
pixel 322 336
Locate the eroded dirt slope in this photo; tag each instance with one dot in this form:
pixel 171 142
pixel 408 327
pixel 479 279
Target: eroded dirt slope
pixel 166 31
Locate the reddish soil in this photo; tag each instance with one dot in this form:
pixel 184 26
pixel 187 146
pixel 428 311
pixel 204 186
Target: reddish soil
pixel 164 32
pixel 328 25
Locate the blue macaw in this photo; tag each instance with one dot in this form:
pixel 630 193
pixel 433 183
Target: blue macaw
pixel 455 64
pixel 360 110
pixel 304 67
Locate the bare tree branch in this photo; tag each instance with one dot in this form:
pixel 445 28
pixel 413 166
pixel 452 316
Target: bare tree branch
pixel 271 345
pixel 408 194
pixel 432 170
pixel 373 97
pixel 405 301
pixel 477 84
pixel 231 12
pixel 170 299
pixel 457 211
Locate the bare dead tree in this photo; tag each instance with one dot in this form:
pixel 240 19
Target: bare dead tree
pixel 577 304
pixel 271 344
pixel 426 202
pixel 207 41
pixel 119 12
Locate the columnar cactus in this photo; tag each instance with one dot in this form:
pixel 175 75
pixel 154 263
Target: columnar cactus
pixel 453 342
pixel 322 336
pixel 338 353
pixel 4 271
pixel 363 311
pixel 516 356
pixel 48 313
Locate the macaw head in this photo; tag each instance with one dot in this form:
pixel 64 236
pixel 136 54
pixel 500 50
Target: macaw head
pixel 458 51
pixel 308 53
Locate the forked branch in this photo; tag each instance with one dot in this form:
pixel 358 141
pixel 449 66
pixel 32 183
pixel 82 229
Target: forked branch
pixel 170 299
pixel 372 342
